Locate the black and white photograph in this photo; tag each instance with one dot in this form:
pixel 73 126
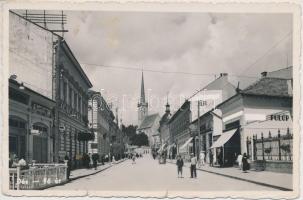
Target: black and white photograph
pixel 171 102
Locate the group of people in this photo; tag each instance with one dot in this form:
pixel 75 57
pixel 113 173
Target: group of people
pixel 134 156
pixel 193 164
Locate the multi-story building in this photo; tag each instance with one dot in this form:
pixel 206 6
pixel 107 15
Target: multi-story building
pixel 209 121
pixel 72 87
pixel 101 120
pixel 30 124
pixel 262 110
pixel 179 130
pixel 44 63
pixel 31 99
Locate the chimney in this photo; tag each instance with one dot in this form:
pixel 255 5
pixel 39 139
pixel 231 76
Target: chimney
pixel 223 74
pixel 263 74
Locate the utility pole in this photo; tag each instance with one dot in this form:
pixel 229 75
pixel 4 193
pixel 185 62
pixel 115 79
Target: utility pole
pixel 199 139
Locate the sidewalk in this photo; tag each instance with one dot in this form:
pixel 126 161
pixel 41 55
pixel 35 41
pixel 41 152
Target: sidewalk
pixel 80 173
pixel 281 181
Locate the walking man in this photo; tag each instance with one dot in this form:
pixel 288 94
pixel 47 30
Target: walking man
pixel 180 164
pixel 193 164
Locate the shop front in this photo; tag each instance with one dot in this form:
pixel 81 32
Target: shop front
pixel 226 148
pixel 186 149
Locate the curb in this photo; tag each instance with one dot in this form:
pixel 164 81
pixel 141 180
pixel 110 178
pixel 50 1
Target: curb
pixel 243 179
pixel 82 176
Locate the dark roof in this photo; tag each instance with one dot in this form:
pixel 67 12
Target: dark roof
pixel 148 121
pixel 184 106
pixel 268 86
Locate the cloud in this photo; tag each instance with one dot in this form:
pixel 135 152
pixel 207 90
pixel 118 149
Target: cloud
pixel 188 42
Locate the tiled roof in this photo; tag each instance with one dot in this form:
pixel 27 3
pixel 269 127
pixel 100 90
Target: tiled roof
pixel 148 121
pixel 270 87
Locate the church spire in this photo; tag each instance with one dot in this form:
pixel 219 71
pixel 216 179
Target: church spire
pixel 142 97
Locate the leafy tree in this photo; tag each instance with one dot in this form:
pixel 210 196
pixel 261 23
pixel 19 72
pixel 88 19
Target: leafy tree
pixel 140 139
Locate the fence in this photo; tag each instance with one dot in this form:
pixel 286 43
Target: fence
pixel 38 176
pixel 271 148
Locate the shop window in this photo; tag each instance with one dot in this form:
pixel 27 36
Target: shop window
pixel 94 146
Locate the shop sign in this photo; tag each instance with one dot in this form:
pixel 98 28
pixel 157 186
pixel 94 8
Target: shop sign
pixel 278 117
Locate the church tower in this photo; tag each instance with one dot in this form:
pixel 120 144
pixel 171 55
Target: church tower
pixel 142 105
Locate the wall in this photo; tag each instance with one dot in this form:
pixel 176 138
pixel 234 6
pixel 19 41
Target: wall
pixel 30 54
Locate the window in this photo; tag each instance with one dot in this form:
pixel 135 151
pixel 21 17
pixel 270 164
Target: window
pixel 70 96
pixel 61 89
pixel 75 100
pixel 94 146
pixel 79 104
pixel 16 123
pixel 65 92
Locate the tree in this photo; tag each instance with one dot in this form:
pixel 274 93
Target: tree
pixel 140 139
pixel 130 130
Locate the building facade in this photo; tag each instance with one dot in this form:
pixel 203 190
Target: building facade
pixel 264 109
pixel 180 135
pixel 30 124
pixel 210 121
pixel 72 87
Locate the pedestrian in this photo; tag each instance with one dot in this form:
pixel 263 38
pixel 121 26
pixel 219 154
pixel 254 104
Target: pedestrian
pixel 220 158
pixel 193 164
pixel 66 158
pixel 202 159
pixel 239 160
pixel 90 160
pixel 245 165
pixel 95 160
pixel 180 164
pixel 211 159
pixel 134 159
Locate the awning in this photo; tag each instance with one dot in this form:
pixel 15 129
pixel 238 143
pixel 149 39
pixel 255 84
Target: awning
pixel 186 143
pixel 224 138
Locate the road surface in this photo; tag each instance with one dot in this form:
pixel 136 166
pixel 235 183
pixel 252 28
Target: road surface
pixel 148 175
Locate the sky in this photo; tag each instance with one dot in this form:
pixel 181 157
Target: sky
pixel 114 48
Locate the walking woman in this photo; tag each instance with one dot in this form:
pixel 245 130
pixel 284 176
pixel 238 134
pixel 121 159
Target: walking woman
pixel 180 164
pixel 245 165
